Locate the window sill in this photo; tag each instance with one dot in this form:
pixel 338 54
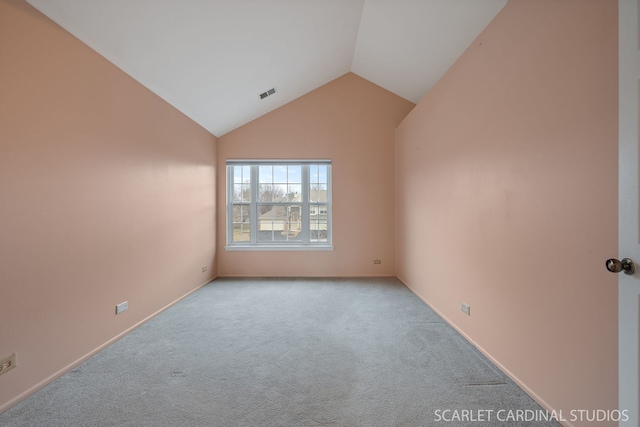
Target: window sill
pixel 278 248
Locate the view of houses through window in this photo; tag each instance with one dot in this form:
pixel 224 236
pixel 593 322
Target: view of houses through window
pixel 278 203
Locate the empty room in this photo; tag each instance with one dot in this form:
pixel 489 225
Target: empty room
pixel 319 212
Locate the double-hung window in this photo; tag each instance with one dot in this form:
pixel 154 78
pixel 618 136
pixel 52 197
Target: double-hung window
pixel 279 204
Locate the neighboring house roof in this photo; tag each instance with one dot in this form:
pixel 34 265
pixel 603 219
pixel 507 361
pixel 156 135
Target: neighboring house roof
pixel 319 196
pixel 279 212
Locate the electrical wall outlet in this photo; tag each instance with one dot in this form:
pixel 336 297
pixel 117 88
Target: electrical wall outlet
pixel 7 364
pixel 377 261
pixel 204 268
pixel 123 306
pixel 465 309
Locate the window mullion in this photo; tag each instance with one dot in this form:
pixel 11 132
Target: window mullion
pixel 329 201
pixel 229 204
pixel 306 226
pixel 253 206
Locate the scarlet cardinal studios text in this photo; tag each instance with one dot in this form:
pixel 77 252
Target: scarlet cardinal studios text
pixel 487 415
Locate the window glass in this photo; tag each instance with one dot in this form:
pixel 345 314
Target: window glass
pixel 292 205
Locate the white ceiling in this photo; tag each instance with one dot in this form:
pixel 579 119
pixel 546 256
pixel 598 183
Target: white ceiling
pixel 212 58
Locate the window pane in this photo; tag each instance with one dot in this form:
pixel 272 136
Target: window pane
pixel 241 183
pixel 245 192
pixel 294 193
pixel 279 223
pixel 318 193
pixel 263 209
pixel 265 193
pixel 265 174
pixel 322 174
pixel 316 210
pixel 318 232
pixel 241 174
pixel 237 174
pixel 237 193
pixel 280 174
pixel 317 174
pixel 241 223
pixel 241 214
pixel 241 233
pixel 295 174
pixel 271 193
pixel 318 223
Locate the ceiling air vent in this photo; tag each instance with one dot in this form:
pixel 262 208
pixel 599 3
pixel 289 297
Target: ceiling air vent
pixel 271 91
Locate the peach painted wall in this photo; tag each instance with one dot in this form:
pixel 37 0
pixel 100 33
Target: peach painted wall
pixel 507 198
pixel 106 195
pixel 352 122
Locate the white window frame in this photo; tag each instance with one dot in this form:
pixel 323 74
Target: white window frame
pixel 254 244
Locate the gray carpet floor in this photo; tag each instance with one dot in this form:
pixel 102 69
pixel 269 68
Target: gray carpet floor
pixel 282 352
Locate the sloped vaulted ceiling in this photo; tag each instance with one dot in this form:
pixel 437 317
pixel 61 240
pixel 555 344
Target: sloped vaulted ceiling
pixel 212 59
